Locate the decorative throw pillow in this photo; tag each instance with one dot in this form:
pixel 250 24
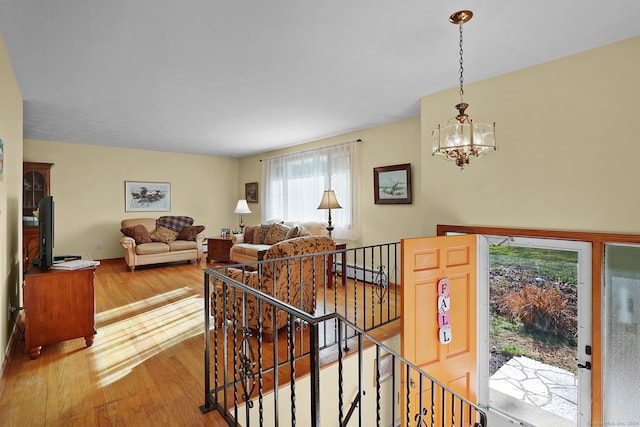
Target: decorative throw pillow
pixel 303 232
pixel 163 234
pixel 293 232
pixel 276 233
pixel 139 233
pixel 249 233
pixel 190 233
pixel 264 229
pixel 175 223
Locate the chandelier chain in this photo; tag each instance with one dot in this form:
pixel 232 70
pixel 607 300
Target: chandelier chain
pixel 461 67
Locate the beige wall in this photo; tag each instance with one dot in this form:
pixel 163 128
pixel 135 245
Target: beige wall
pixel 87 183
pixel 568 147
pixel 10 195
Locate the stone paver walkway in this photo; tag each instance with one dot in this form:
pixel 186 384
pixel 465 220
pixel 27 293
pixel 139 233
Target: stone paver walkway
pixel 549 388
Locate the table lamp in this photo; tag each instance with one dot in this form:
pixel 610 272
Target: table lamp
pixel 329 202
pixel 242 208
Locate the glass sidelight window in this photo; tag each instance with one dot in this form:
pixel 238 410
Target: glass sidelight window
pixel 621 340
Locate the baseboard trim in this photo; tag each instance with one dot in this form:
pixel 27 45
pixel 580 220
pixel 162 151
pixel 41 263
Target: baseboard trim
pixel 112 260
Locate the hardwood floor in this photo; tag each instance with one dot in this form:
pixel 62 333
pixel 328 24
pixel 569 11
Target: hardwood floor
pixel 144 368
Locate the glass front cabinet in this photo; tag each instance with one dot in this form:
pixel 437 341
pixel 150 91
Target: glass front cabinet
pixel 35 186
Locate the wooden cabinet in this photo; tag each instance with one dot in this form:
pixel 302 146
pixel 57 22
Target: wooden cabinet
pixel 35 186
pixel 58 306
pixel 218 249
pixel 30 245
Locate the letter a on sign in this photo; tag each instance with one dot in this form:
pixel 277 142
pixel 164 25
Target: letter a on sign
pixel 443 303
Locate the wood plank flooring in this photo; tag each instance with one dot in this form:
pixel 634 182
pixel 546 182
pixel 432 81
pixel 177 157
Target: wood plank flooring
pixel 144 368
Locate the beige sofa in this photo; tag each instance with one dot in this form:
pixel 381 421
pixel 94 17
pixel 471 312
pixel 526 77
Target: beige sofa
pixel 166 239
pixel 249 246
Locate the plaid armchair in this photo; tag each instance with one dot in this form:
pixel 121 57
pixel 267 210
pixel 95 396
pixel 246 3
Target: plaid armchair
pixel 293 281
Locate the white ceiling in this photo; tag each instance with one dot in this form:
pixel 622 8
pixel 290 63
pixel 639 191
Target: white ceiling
pixel 236 78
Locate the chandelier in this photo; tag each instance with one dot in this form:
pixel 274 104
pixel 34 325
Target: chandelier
pixel 462 139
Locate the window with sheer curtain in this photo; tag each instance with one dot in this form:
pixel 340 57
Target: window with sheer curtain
pixel 294 183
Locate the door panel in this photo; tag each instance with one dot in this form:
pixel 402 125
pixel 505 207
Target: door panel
pixel 424 316
pixel 463 326
pixel 424 262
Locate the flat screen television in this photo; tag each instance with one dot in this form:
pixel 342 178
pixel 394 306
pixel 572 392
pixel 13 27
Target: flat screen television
pixel 46 210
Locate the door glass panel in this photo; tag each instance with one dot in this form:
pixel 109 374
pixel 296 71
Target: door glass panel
pixel 533 334
pixel 621 339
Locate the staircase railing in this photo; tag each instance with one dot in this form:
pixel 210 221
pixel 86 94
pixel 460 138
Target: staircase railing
pixel 253 382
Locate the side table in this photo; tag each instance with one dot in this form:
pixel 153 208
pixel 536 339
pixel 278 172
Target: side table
pixel 218 248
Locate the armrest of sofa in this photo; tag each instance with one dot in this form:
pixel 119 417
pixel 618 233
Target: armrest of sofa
pixel 200 238
pixel 129 246
pixel 127 243
pixel 237 238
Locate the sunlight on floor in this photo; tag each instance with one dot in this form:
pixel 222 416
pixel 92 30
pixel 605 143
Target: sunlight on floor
pixel 146 328
pixel 107 315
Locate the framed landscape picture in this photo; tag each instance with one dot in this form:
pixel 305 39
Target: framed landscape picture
pixel 147 196
pixel 392 184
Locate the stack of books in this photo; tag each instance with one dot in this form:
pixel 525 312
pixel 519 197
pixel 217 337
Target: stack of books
pixel 75 264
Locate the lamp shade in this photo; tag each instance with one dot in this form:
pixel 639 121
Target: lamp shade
pixel 242 207
pixel 329 201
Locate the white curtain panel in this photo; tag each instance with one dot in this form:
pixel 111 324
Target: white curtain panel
pixel 294 183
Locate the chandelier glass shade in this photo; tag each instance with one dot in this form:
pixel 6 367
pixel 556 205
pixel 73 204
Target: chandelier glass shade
pixel 462 139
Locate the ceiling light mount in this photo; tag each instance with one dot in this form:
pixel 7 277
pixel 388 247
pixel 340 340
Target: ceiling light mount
pixel 461 17
pixel 462 139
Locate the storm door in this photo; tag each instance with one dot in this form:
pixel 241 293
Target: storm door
pixel 535 347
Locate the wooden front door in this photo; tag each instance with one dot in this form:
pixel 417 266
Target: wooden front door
pixel 425 262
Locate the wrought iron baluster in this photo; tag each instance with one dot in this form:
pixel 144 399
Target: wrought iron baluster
pixel 292 379
pixel 378 408
pixel 381 284
pixel 235 354
pixel 246 365
pixel 433 403
pixel 407 380
pixel 453 409
pixel 260 366
pixel 340 378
